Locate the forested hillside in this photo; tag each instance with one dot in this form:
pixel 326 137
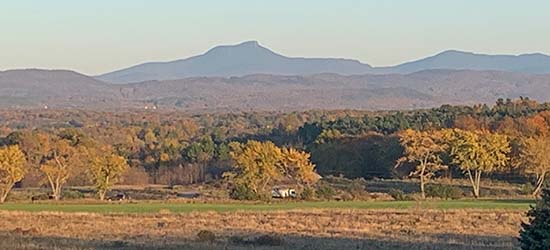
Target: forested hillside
pixel 24 89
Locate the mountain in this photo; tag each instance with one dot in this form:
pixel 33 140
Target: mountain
pixel 251 58
pixel 458 60
pixel 34 87
pixel 236 60
pixel 422 89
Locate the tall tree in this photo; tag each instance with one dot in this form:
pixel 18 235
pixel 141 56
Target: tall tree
pixel 298 167
pixel 260 164
pixel 478 152
pixel 56 165
pixel 423 149
pixel 535 159
pixel 106 169
pixel 257 165
pixel 12 169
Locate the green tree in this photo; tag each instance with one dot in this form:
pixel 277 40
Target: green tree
pixel 535 235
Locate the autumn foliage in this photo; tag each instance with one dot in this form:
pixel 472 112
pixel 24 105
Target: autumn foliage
pixel 259 165
pixel 12 169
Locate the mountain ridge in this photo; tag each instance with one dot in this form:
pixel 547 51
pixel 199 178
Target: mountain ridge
pixel 234 60
pixel 251 57
pixel 266 92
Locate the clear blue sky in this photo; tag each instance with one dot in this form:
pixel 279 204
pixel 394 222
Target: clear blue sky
pixel 97 36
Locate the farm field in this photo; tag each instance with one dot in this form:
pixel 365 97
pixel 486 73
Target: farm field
pixel 179 207
pixel 402 227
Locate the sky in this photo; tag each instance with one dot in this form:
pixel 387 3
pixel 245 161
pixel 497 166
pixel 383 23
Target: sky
pixel 99 36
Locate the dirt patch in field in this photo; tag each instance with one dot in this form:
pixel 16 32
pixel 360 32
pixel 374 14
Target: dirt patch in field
pixel 315 229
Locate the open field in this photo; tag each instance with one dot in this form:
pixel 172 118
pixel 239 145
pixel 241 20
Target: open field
pixel 411 228
pixel 179 207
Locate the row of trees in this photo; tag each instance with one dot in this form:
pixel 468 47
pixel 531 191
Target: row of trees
pixel 103 167
pixel 177 148
pixel 475 153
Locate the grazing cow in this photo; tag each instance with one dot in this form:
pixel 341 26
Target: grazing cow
pixel 283 193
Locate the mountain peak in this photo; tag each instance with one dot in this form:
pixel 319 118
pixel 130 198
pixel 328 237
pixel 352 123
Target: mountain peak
pixel 454 52
pixel 249 44
pixel 244 46
pixel 241 59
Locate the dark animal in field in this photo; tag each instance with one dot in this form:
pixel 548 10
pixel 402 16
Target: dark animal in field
pixel 119 197
pixel 41 197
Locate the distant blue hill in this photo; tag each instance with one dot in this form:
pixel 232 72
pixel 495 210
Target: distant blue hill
pixel 251 58
pixel 458 60
pixel 235 60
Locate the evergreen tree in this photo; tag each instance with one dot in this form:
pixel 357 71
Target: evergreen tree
pixel 536 234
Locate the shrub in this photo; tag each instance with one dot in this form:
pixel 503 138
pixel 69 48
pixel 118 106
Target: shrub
pixel 269 240
pixel 357 189
pixel 536 234
pixel 325 192
pixel 237 240
pixel 119 244
pixel 399 195
pixel 526 189
pixel 307 194
pixel 72 194
pixel 40 197
pixel 242 192
pixel 444 192
pixel 206 236
pixel 347 197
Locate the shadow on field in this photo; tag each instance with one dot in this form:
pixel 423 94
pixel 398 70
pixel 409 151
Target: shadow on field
pixel 16 240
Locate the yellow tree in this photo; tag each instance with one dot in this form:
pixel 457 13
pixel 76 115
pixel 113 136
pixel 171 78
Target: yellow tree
pixel 298 167
pixel 424 150
pixel 535 159
pixel 106 168
pixel 12 169
pixel 56 166
pixel 478 152
pixel 257 164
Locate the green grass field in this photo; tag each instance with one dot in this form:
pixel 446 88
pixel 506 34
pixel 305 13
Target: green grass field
pixel 154 207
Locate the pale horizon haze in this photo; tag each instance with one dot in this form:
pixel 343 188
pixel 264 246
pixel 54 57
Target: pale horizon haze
pixel 95 37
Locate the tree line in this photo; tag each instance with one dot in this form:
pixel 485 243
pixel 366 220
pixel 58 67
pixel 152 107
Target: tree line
pixel 62 147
